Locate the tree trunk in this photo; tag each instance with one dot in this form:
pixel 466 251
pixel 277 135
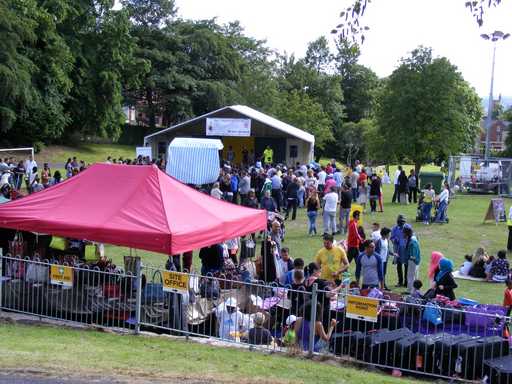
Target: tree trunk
pixel 151 109
pixel 417 167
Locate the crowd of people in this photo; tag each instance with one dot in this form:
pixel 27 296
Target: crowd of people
pixel 328 272
pixel 18 174
pixel 329 191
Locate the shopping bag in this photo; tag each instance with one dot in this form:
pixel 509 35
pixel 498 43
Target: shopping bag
pixel 18 247
pixel 36 273
pixel 58 243
pixel 90 253
pixel 432 314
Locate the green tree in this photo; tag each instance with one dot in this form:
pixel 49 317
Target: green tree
pixel 318 55
pixel 427 110
pixel 507 115
pixel 497 110
pixel 300 110
pixel 358 82
pixel 35 67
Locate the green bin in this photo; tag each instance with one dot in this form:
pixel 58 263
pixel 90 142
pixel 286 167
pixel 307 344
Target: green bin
pixel 434 178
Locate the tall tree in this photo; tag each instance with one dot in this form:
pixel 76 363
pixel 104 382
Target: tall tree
pixel 35 67
pixel 427 110
pixel 318 55
pixel 358 82
pixel 300 110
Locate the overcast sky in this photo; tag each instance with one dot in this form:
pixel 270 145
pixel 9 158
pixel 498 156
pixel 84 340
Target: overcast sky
pixel 397 27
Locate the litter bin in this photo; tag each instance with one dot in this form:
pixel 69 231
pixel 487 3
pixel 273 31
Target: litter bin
pixel 434 178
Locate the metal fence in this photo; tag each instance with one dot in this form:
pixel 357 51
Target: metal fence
pixel 68 292
pixel 412 336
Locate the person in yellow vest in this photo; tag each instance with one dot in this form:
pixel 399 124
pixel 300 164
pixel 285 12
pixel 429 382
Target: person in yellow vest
pixel 268 155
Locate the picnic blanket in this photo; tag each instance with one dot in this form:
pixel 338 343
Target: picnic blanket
pixel 460 276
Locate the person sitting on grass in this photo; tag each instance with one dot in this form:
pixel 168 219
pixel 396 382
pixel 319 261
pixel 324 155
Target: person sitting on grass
pixel 302 329
pixel 290 337
pixel 230 320
pixel 444 283
pixel 416 289
pixel 480 258
pixel 259 335
pixel 500 268
pixel 466 265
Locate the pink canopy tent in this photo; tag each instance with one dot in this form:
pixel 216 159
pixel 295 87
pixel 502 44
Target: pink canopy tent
pixel 134 206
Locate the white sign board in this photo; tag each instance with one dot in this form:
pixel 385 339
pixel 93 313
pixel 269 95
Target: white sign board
pixel 465 168
pixel 144 152
pixel 228 127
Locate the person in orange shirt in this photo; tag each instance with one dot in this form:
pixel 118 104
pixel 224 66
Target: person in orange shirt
pixel 507 300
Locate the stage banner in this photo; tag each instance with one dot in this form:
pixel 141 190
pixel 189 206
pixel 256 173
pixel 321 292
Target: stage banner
pixel 228 127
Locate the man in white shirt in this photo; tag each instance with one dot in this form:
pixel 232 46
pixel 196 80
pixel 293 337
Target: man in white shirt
pixel 322 175
pixel 330 205
pixel 354 180
pixel 442 200
pixel 396 195
pixel 30 164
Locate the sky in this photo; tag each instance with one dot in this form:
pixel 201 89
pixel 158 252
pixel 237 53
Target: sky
pixel 396 28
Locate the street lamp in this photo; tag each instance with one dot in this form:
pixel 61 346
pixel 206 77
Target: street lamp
pixel 494 37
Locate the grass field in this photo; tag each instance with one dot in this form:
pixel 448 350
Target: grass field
pixel 66 353
pixel 90 153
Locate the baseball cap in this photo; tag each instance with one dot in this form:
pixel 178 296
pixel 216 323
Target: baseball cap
pixel 290 320
pixel 231 302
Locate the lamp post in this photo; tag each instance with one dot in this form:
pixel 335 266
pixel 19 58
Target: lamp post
pixel 494 37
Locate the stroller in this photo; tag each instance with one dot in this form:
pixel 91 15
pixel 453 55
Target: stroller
pixel 435 205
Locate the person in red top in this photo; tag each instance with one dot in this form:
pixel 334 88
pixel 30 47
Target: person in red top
pixel 507 300
pixel 362 177
pixel 354 240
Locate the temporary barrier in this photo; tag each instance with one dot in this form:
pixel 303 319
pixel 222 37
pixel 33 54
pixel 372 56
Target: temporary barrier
pixel 439 339
pixel 68 292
